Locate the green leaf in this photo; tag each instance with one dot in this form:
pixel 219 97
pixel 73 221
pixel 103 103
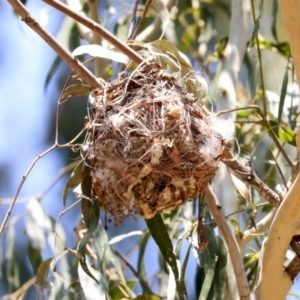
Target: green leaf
pixel 146 297
pixel 88 235
pixel 160 235
pixel 219 282
pixel 283 94
pixel 274 13
pixel 76 90
pixel 86 204
pixel 74 180
pixel 34 256
pixel 43 284
pixel 99 51
pixel 117 292
pixel 52 70
pixel 208 259
pixel 140 263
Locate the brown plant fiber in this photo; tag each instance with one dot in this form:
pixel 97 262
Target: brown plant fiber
pixel 151 146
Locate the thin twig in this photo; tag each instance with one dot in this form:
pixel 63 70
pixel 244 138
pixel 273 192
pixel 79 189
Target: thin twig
pixel 133 23
pixel 233 248
pixel 98 29
pixel 257 23
pixel 136 31
pixel 8 213
pixel 269 130
pixel 74 64
pixel 247 173
pixel 279 170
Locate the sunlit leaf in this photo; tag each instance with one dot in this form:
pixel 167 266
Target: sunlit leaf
pixel 163 14
pixel 37 224
pixel 117 292
pixel 73 181
pixel 141 263
pixel 88 235
pixel 43 284
pixel 99 51
pixel 76 90
pixel 241 187
pixel 91 288
pixel 121 237
pixel 146 297
pixel 160 235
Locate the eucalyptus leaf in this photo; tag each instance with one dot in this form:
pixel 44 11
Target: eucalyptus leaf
pixel 74 180
pixel 160 235
pixel 141 263
pixel 163 13
pixel 76 90
pixel 99 51
pixel 283 94
pixel 208 259
pixel 92 289
pixel 84 241
pixel 43 284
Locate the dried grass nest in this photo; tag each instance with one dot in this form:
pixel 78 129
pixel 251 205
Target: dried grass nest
pixel 151 147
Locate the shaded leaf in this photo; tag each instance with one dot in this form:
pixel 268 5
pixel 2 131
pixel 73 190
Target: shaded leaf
pixel 73 181
pixel 34 256
pixel 274 12
pixel 208 260
pixel 219 282
pixel 146 297
pixel 160 235
pixel 117 292
pixel 99 51
pixel 55 65
pixel 283 94
pixel 76 90
pixel 88 235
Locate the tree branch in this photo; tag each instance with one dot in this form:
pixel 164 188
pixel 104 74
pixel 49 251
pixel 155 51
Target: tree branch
pixel 284 227
pixel 233 248
pixel 75 65
pixel 98 29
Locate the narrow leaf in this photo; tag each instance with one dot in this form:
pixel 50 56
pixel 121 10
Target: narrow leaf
pixel 283 94
pixel 141 265
pixel 208 259
pixel 99 51
pixel 219 282
pixel 83 242
pixel 163 13
pixel 73 181
pixel 160 235
pixel 91 289
pixel 43 284
pixel 76 90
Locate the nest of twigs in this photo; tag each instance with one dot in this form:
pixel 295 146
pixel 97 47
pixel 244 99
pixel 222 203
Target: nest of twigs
pixel 151 146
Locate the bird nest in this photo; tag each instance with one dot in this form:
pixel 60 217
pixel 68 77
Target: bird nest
pixel 151 146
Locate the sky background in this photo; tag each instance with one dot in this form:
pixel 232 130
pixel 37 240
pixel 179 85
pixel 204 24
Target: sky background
pixel 26 109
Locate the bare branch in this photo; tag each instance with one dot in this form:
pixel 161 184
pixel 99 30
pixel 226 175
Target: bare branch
pixel 76 65
pixel 233 248
pixel 98 29
pixel 247 173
